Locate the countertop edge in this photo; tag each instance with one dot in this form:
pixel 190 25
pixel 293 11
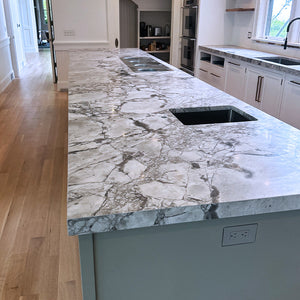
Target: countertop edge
pixel 180 215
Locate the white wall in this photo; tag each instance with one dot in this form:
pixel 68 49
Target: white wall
pixel 84 20
pixel 82 25
pixel 214 23
pixel 5 59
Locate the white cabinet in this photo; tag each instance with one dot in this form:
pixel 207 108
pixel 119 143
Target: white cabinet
pixel 290 106
pixel 211 70
pixel 264 90
pixel 235 79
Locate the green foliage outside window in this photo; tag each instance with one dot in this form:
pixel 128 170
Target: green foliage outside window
pixel 45 11
pixel 278 17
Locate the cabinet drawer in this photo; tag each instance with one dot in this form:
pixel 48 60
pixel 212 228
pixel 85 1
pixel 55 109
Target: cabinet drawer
pixel 216 80
pixel 204 74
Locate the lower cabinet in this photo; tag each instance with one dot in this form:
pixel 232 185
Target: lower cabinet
pixel 290 106
pixel 211 70
pixel 275 93
pixel 235 79
pixel 264 90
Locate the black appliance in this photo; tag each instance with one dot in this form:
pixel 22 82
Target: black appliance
pixel 188 39
pixel 143 31
pixel 188 53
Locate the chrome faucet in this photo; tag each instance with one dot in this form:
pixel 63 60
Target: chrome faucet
pixel 287 31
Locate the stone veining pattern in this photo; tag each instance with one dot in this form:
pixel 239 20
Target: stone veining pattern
pixel 132 164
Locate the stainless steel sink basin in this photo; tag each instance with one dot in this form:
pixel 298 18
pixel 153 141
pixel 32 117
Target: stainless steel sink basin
pixel 144 64
pixel 281 60
pixel 210 115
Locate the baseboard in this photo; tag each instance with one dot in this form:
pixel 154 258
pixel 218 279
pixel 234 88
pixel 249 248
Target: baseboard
pixel 6 81
pixel 62 85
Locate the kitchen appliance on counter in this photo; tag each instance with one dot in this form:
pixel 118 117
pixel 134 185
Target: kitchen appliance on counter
pixel 143 31
pixel 149 30
pixel 189 31
pixel 157 31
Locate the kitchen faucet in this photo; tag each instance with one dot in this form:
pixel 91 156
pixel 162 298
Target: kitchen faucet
pixel 287 31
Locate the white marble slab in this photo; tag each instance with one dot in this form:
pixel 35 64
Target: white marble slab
pixel 132 164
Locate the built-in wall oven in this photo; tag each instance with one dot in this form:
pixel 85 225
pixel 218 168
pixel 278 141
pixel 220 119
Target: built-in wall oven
pixel 188 38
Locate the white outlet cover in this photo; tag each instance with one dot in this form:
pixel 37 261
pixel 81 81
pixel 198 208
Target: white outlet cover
pixel 237 235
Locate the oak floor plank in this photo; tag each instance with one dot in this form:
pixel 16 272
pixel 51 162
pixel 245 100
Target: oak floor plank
pixel 38 260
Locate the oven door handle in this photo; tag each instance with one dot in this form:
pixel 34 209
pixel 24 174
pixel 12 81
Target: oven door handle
pixel 187 38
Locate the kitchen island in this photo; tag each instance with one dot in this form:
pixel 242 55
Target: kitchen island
pixel 134 167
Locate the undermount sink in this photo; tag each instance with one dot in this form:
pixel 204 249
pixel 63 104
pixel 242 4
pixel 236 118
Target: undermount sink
pixel 210 115
pixel 144 64
pixel 281 60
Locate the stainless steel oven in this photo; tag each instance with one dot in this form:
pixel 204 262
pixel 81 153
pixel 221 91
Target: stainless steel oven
pixel 188 53
pixel 189 31
pixel 189 20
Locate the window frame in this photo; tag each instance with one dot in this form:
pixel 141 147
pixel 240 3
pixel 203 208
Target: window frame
pixel 260 21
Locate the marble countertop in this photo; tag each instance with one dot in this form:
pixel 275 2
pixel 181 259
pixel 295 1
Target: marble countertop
pixel 251 56
pixel 132 164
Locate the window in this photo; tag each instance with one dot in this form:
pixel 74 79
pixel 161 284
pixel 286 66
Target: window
pixel 273 17
pixel 278 16
pixel 45 12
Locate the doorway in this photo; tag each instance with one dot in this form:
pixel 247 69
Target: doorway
pixel 30 28
pixel 41 18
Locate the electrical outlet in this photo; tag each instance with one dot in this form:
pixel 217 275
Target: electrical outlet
pixel 236 235
pixel 69 32
pixel 249 35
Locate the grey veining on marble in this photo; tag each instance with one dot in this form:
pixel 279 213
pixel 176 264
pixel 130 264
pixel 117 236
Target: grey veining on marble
pixel 251 56
pixel 132 164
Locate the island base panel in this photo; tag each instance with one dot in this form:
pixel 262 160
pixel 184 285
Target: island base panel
pixel 187 261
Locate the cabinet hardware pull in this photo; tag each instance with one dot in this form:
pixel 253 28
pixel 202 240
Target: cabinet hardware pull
pixel 295 82
pixel 234 64
pixel 203 70
pixel 257 85
pixel 260 84
pixel 215 75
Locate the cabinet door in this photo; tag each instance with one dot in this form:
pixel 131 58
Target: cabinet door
pixel 290 107
pixel 253 87
pixel 271 93
pixel 235 79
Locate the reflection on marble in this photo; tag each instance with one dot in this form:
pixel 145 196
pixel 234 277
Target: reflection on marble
pixel 251 56
pixel 133 164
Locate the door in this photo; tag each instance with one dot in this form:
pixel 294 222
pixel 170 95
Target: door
pixel 14 31
pixel 253 87
pixel 290 107
pixel 28 25
pixel 271 93
pixel 235 79
pixel 113 16
pixel 51 39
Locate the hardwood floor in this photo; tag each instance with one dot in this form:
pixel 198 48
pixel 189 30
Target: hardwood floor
pixel 38 260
